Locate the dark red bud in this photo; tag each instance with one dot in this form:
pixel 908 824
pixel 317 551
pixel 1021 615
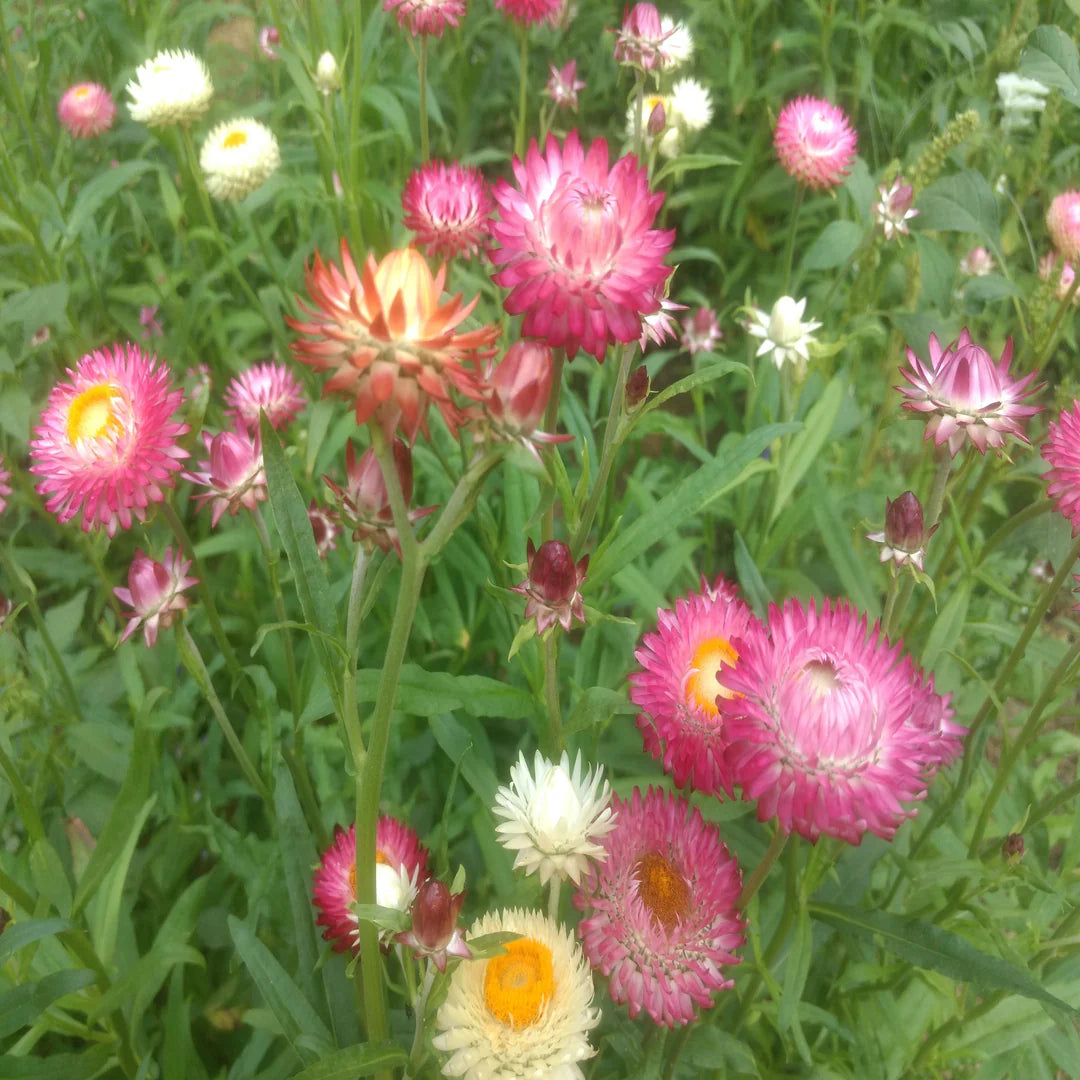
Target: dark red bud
pixel 1012 848
pixel 637 387
pixel 435 914
pixel 553 574
pixel 904 527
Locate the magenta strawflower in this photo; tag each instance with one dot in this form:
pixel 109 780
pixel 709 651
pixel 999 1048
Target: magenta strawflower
pixel 701 331
pixel 563 86
pixel 154 591
pixel 421 17
pixel 449 207
pixel 400 867
pixel 815 142
pixel 5 487
pixel 269 386
pixel 578 253
pixel 233 473
pixel 86 110
pixel 660 326
pixel 107 441
pixel 968 395
pixel 903 540
pixel 893 209
pixel 553 586
pixel 1065 277
pixel 324 528
pixel 639 41
pixel 530 12
pixel 1062 451
pixel 660 912
pixel 686 664
pixel 828 727
pixel 1063 221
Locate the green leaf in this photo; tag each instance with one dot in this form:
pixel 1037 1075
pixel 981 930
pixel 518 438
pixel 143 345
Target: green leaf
pixel 53 1066
pixel 21 934
pixel 962 202
pixel 353 1061
pixel 597 705
pixel 294 528
pixel 50 877
pixel 750 579
pixel 1051 57
pixel 990 287
pixel 806 445
pixel 24 1004
pixel 691 382
pixel 525 632
pixel 428 693
pixel 692 163
pixel 40 306
pixel 459 746
pixel 103 187
pixel 715 478
pixel 947 627
pixel 839 240
pixel 842 552
pixel 928 946
pixel 796 968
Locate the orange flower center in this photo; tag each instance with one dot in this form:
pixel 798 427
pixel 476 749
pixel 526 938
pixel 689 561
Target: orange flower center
pixel 234 139
pixel 92 415
pixel 662 889
pixel 702 685
pixel 519 982
pixel 379 858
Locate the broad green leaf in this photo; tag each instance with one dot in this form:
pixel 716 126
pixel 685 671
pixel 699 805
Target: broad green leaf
pixel 42 305
pixel 990 287
pixel 692 163
pixel 1051 57
pixel 50 877
pixel 928 946
pixel 596 706
pixel 962 202
pixel 804 448
pixel 103 187
pixel 24 1004
pixel 353 1061
pixel 459 746
pixel 937 269
pixel 21 934
pixel 839 240
pixel 427 693
pixel 53 1066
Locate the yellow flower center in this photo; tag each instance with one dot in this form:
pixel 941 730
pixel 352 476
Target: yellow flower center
pixel 91 414
pixel 234 139
pixel 379 858
pixel 702 685
pixel 662 889
pixel 519 983
pixel 82 91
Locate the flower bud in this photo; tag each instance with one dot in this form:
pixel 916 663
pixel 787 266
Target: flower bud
pixel 637 388
pixel 553 585
pixel 327 75
pixel 657 119
pixel 785 321
pixel 1012 848
pixel 435 914
pixel 904 522
pixel 522 385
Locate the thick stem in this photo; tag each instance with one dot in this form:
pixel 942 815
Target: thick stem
pixel 422 75
pixel 551 694
pixel 761 871
pixel 523 96
pixel 271 557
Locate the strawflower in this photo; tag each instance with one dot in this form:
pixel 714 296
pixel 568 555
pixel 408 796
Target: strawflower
pixel 173 87
pixel 815 142
pixel 553 816
pixel 685 664
pixel 640 39
pixel 660 912
pixel 828 727
pixel 660 326
pixel 237 158
pixel 524 1013
pixel 154 591
pixel 323 527
pixel 1065 277
pixel 422 17
pixel 449 208
pixel 520 390
pixel 86 109
pixel 701 331
pixel 327 74
pixel 784 334
pixel 107 441
pixel 553 586
pixel 1063 221
pixel 150 323
pixel 232 473
pixel 390 341
pixel 893 209
pixel 1062 451
pixel 967 395
pixel 563 86
pixel 903 540
pixel 691 107
pixel 5 487
pixel 268 38
pixel 530 12
pixel 578 253
pixel 676 46
pixel 270 387
pixel 400 867
pixel 978 262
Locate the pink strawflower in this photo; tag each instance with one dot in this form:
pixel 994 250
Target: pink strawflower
pixel 530 12
pixel 701 331
pixel 563 86
pixel 661 920
pixel 400 867
pixel 578 253
pixel 828 727
pixel 1062 451
pixel 323 527
pixel 967 395
pixel 815 142
pixel 426 16
pixel 86 110
pixel 449 207
pixel 233 473
pixel 978 262
pixel 5 487
pixel 154 591
pixel 553 586
pixel 894 210
pixel 1048 272
pixel 639 40
pixel 268 386
pixel 150 323
pixel 107 441
pixel 660 326
pixel 686 663
pixel 268 38
pixel 1063 221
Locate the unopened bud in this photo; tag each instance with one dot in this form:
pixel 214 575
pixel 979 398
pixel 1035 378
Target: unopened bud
pixel 522 384
pixel 327 75
pixel 637 388
pixel 1012 848
pixel 553 585
pixel 657 119
pixel 435 914
pixel 904 528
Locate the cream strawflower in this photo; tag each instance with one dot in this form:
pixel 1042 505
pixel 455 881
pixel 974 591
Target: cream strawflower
pixel 172 88
pixel 237 157
pixel 554 817
pixel 785 335
pixel 523 1013
pixel 677 46
pixel 691 107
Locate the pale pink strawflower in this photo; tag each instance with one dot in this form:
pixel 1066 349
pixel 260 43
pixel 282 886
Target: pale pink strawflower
pixel 893 209
pixel 268 38
pixel 553 587
pixel 1062 451
pixel 978 262
pixel 660 326
pixel 233 473
pixel 1063 221
pixel 155 590
pixel 323 527
pixel 563 86
pixel 150 323
pixel 685 667
pixel 5 487
pixel 828 727
pixel 530 12
pixel 107 441
pixel 269 386
pixel 815 142
pixel 422 17
pixel 578 254
pixel 639 41
pixel 400 867
pixel 86 110
pixel 967 395
pixel 701 331
pixel 661 921
pixel 449 208
pixel 1048 271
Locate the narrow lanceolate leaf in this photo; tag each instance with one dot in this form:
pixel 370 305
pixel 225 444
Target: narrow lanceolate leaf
pixel 928 946
pixel 354 1061
pixel 22 934
pixel 22 1005
pixel 294 528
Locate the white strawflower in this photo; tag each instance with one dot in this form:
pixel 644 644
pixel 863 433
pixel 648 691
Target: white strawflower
pixel 523 1013
pixel 1019 97
pixel 237 157
pixel 691 107
pixel 785 335
pixel 553 817
pixel 327 74
pixel 677 46
pixel 172 88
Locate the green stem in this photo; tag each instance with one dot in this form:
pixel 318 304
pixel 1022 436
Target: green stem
pixel 192 659
pixel 554 891
pixel 422 76
pixel 551 694
pixel 639 120
pixel 890 604
pixel 416 1054
pixel 761 871
pixel 945 1030
pixel 22 798
pixel 551 422
pixel 13 82
pixel 271 558
pixel 1048 342
pixel 523 96
pixel 461 501
pixel 353 738
pixel 789 255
